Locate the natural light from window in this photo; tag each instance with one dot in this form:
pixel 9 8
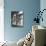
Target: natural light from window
pixel 1 21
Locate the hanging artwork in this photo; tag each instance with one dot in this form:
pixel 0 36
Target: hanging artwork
pixel 17 18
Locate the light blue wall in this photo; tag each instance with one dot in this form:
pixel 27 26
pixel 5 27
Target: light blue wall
pixel 30 7
pixel 43 6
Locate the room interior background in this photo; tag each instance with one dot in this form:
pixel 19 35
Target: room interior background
pixel 30 7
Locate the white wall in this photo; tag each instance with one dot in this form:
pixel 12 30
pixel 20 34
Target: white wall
pixel 1 20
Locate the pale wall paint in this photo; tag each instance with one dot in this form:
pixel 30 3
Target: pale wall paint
pixel 43 6
pixel 30 8
pixel 1 20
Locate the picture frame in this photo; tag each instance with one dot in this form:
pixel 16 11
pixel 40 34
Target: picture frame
pixel 17 18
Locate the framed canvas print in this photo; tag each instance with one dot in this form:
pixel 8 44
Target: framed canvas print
pixel 17 18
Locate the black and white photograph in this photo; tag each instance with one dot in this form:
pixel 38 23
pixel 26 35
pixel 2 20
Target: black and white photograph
pixel 17 18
